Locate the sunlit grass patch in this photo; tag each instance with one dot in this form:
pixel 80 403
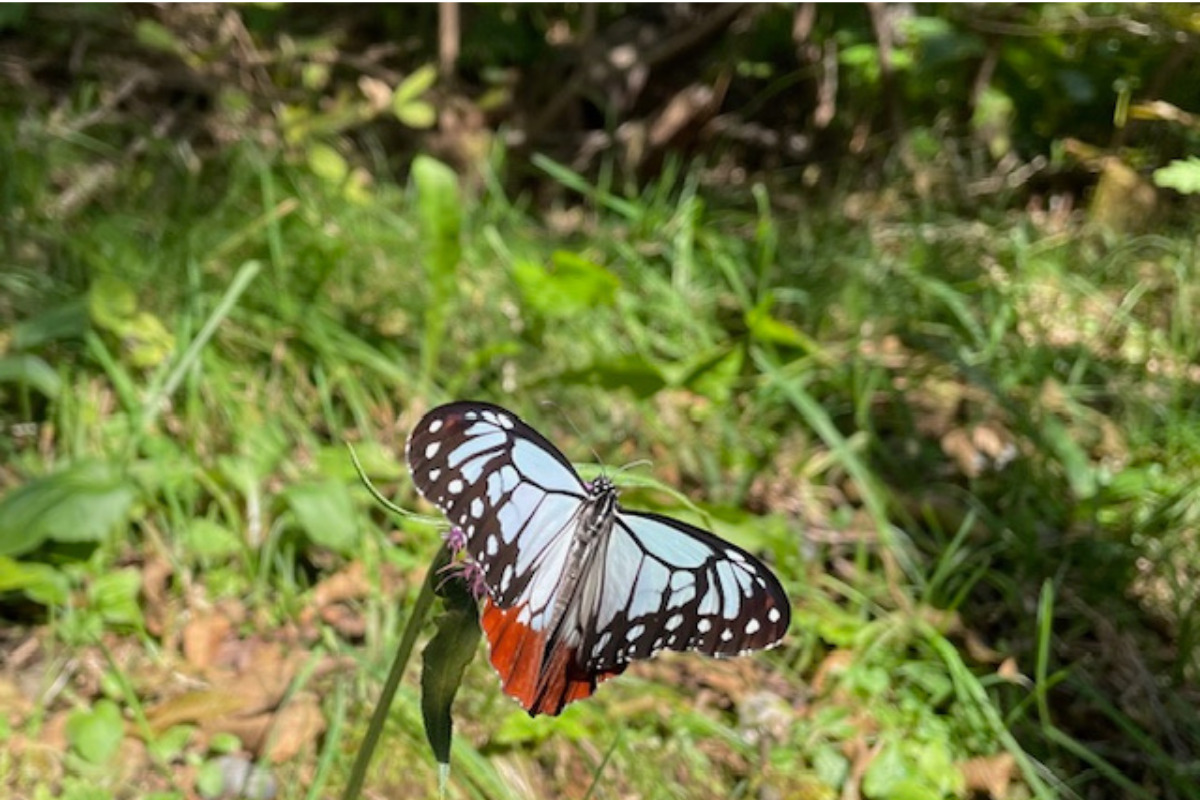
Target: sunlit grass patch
pixel 937 427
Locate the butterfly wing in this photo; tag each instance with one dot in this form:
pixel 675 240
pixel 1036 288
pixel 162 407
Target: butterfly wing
pixel 514 495
pixel 518 500
pixel 669 585
pixel 557 627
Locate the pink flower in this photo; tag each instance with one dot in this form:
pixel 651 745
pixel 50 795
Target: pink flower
pixel 455 539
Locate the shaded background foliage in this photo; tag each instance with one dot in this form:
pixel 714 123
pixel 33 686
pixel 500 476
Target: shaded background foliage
pixel 941 238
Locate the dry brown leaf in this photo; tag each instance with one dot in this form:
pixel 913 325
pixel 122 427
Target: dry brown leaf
pixel 837 661
pixel 1008 671
pixel 991 775
pixel 278 735
pixel 347 621
pixel 203 636
pixel 296 729
pixel 978 650
pixel 158 611
pixel 349 584
pixel 53 735
pixel 194 707
pixel 15 705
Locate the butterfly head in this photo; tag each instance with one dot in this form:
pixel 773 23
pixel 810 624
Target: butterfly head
pixel 600 487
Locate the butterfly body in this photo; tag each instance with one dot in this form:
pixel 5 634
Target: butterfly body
pixel 577 586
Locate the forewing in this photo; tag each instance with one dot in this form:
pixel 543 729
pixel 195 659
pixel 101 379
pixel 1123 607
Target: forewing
pixel 663 584
pixel 515 496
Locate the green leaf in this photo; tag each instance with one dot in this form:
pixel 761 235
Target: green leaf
pixel 210 779
pixel 29 370
pixel 70 320
pixel 95 734
pixel 157 36
pixel 170 744
pixel 1182 175
pixel 444 661
pixel 114 596
pixel 327 163
pixel 635 374
pixel 416 84
pixel 417 114
pixel 325 512
pixel 41 583
pixel 912 770
pixel 206 539
pixel 440 210
pixel 81 503
pixel 406 105
pixel 715 372
pixel 1080 472
pixel 111 302
pixel 147 340
pixel 571 286
pixel 766 328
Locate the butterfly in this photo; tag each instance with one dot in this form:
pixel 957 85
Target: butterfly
pixel 577 587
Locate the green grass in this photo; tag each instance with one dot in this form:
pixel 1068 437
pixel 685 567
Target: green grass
pixel 195 348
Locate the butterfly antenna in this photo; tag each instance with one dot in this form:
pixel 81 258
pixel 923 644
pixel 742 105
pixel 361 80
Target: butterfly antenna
pixel 578 433
pixel 641 462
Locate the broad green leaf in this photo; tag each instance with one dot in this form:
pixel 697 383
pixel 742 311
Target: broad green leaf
pixel 114 596
pixel 111 302
pixel 444 661
pixel 170 744
pixel 1182 175
pixel 440 209
pixel 715 372
pixel 417 114
pixel 912 770
pixel 327 163
pixel 571 286
pixel 147 340
pixel 206 539
pixel 406 102
pixel 210 779
pixel 325 512
pixel 81 503
pixel 416 84
pixel 95 734
pixel 113 307
pixel 41 583
pixel 29 370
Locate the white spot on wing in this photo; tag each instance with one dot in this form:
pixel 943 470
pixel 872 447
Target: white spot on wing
pixel 455 486
pixel 435 426
pixel 674 621
pixel 752 626
pixel 477 508
pixel 432 448
pixel 773 615
pixel 704 625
